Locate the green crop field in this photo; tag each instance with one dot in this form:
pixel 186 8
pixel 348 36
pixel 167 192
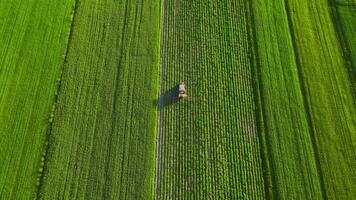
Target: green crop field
pixel 102 142
pixel 33 40
pixel 328 95
pixel 286 131
pixel 209 145
pixel 89 105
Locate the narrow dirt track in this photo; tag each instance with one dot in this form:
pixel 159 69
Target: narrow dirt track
pixel 160 106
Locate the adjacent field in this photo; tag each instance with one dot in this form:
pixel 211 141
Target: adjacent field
pixel 102 143
pixel 293 168
pixel 209 144
pixel 33 38
pixel 346 18
pixel 328 94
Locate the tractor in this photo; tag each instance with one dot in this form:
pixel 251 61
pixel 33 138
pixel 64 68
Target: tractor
pixel 182 95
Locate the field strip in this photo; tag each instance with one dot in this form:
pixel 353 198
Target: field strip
pixel 307 109
pixel 49 129
pixel 286 128
pixel 328 91
pixel 33 36
pixel 103 140
pixel 210 148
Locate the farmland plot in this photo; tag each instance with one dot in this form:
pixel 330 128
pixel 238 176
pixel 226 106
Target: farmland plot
pixel 208 145
pixel 33 38
pixel 294 173
pixel 102 143
pixel 328 94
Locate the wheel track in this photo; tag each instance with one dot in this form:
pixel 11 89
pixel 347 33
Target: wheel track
pixel 160 103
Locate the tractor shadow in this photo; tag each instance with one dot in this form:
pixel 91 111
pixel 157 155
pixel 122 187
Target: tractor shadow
pixel 168 98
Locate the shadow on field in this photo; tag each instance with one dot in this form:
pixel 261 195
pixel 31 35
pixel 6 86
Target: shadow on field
pixel 168 98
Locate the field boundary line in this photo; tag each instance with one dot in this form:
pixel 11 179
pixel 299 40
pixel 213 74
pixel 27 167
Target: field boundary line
pixel 305 102
pixel 159 105
pixel 51 119
pixel 260 114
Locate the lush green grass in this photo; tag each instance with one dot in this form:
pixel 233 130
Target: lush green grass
pixel 294 173
pixel 209 144
pixel 33 38
pixel 328 94
pixel 102 143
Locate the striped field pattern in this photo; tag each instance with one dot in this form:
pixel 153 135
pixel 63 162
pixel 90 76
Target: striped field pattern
pixel 208 144
pixel 33 39
pixel 89 104
pixel 102 142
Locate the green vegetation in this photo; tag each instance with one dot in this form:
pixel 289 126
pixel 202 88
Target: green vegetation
pixel 33 37
pixel 294 172
pixel 346 19
pixel 102 143
pixel 328 94
pixel 208 145
pixel 89 104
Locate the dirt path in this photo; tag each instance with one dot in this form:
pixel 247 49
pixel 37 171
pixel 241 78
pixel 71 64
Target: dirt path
pixel 160 135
